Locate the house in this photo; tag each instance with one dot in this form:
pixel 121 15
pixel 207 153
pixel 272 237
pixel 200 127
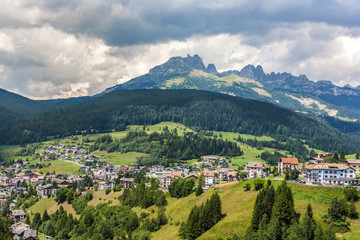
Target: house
pixel 123 167
pixel 324 155
pixel 210 178
pixel 103 185
pixel 223 162
pixel 287 164
pixel 134 166
pixel 354 163
pixel 20 226
pixel 227 174
pixel 209 159
pixel 47 189
pixel 157 168
pixel 167 178
pixel 17 215
pixel 30 235
pixel 32 175
pixel 316 160
pixel 330 174
pixel 22 230
pixel 256 169
pixel 193 176
pixel 103 164
pixel 126 182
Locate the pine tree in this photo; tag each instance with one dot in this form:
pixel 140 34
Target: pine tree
pixel 274 230
pixel 201 181
pixel 342 155
pixel 329 234
pixel 353 214
pixel 262 232
pixel 193 229
pixel 199 190
pixel 357 156
pixel 319 233
pixel 45 216
pixel 215 206
pixel 309 224
pixel 296 232
pixel 283 208
pixel 36 221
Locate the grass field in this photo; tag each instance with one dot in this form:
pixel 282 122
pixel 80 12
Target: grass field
pixel 60 167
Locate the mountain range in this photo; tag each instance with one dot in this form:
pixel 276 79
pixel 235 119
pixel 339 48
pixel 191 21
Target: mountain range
pixel 25 120
pixel 294 92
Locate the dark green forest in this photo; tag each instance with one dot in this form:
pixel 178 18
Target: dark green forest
pixel 199 110
pixel 166 145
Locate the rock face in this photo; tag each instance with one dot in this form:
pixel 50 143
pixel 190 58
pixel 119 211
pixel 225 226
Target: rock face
pixel 211 69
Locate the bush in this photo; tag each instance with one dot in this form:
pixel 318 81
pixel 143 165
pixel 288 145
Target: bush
pixel 259 183
pixel 107 191
pixel 247 186
pixel 351 193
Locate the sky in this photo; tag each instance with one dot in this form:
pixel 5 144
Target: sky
pixel 68 48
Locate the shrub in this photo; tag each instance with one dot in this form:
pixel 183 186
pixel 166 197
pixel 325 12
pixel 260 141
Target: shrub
pixel 247 186
pixel 258 183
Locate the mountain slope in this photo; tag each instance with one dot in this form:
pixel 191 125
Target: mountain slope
pixel 13 106
pixel 289 91
pixel 196 109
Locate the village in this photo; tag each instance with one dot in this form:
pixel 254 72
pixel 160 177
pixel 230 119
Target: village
pixel 14 180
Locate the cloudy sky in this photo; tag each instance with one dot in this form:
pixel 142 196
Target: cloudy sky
pixel 68 48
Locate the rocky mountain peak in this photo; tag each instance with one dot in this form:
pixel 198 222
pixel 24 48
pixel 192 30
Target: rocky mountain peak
pixel 250 71
pixel 211 69
pixel 179 65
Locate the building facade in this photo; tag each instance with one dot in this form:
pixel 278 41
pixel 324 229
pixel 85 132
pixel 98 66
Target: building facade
pixel 287 164
pixel 330 174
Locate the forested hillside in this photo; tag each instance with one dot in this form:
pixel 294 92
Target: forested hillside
pixel 199 110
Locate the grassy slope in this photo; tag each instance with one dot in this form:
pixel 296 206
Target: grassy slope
pixel 238 205
pixel 60 167
pixel 51 206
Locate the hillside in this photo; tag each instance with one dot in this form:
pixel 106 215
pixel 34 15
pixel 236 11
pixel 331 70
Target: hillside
pixel 284 89
pixel 198 110
pixel 237 204
pixel 20 106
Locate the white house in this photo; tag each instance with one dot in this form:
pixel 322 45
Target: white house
pixel 256 169
pixel 210 178
pixel 330 174
pixel 287 164
pixel 166 178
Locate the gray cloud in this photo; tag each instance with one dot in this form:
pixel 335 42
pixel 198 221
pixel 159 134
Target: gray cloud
pixel 64 48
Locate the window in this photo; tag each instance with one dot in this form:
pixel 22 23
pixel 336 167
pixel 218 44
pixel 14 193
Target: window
pixel 325 176
pixel 326 171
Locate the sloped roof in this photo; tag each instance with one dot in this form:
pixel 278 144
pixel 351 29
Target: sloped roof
pixel 353 161
pixel 290 160
pixel 327 166
pixel 255 165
